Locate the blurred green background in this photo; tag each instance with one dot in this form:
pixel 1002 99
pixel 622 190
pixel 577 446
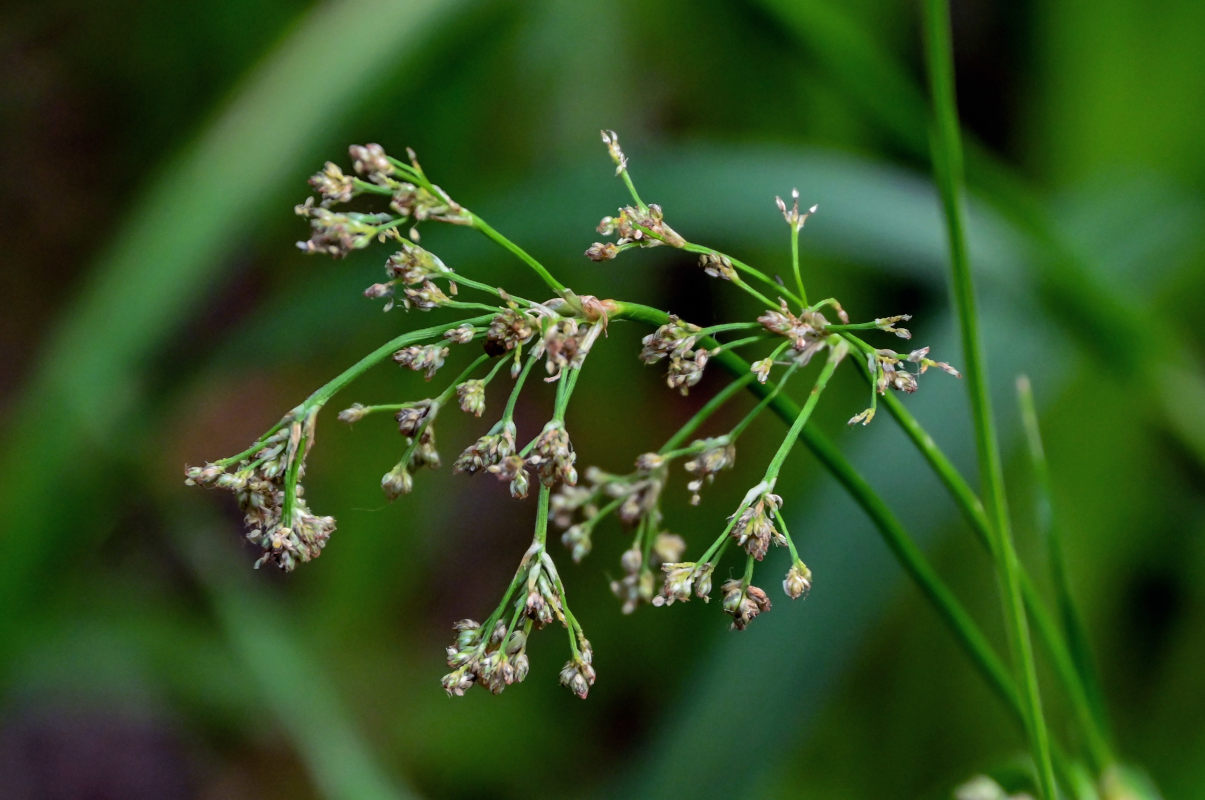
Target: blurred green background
pixel 158 314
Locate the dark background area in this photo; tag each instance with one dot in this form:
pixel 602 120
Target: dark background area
pixel 157 313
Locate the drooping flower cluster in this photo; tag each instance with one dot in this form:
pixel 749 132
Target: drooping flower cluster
pixel 743 602
pixel 266 481
pixel 499 659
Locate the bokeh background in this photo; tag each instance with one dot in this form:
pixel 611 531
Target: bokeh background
pixel 156 314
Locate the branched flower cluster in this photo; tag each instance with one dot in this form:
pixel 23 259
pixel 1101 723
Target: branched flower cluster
pixel 503 334
pixel 266 482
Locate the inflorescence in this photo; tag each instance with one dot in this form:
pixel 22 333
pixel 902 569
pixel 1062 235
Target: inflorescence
pixel 503 333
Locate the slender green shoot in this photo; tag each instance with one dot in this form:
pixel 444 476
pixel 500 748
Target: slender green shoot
pixel 1073 628
pixel 948 169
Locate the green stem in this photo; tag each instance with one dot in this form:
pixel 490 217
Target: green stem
pixel 711 330
pixel 627 181
pixel 1089 705
pixel 803 295
pixel 837 351
pixel 542 514
pixel 706 411
pixel 735 343
pixel 333 386
pixel 946 146
pixel 469 306
pixel 460 278
pixel 259 443
pixel 509 414
pixel 565 389
pixel 1090 721
pixel 782 526
pixel 739 428
pixel 506 244
pixel 293 473
pixel 752 271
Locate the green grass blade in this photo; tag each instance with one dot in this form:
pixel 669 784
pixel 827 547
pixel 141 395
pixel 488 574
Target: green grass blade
pixel 1073 628
pixel 948 170
pixel 291 683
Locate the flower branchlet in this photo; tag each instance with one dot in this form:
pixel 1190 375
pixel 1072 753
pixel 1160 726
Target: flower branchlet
pixel 536 598
pixel 266 483
pixel 337 235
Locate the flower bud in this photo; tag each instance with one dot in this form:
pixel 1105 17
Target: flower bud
pixel 798 582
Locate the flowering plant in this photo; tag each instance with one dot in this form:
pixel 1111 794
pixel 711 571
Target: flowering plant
pixel 515 336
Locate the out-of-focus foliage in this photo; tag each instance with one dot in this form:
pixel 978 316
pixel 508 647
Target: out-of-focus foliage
pixel 158 313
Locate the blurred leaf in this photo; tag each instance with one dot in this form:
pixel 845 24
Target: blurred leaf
pixel 189 218
pixel 301 698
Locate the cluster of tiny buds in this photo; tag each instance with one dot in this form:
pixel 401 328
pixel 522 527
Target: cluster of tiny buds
pixel 807 332
pixel 414 270
pixel 744 602
pixel 642 226
pixel 889 369
pixel 553 455
pixel 565 344
pixel 682 579
pixel 413 417
pixel 578 673
pixel 471 395
pixel 499 659
pixel 495 663
pixel 509 329
pixel 408 199
pixel 714 455
pixel 426 358
pixel 337 235
pixel 637 584
pixel 611 140
pixel 798 582
pixel 676 339
pixel 370 160
pixel 488 451
pixel 461 334
pixel 754 529
pixel 333 185
pixel 275 513
pixel 717 265
pixel 792 215
pixel 887 325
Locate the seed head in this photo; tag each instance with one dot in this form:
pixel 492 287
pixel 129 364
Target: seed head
pixel 370 161
pixel 798 582
pixel 422 358
pixel 414 416
pixel 472 397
